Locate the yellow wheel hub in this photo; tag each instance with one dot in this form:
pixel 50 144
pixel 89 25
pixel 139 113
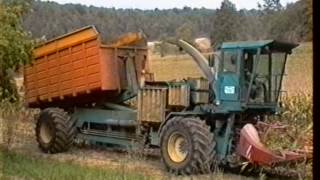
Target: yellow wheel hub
pixel 46 133
pixel 177 147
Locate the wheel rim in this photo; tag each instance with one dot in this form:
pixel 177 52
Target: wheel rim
pixel 177 147
pixel 46 133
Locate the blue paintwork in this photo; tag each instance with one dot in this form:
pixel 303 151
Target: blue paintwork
pixel 245 44
pixel 232 106
pixel 103 116
pixel 273 44
pixel 229 91
pixel 223 137
pixel 229 87
pixel 118 118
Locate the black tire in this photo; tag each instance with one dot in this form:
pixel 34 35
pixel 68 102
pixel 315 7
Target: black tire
pixel 200 142
pixel 55 130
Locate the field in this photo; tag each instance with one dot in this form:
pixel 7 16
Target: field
pixel 24 160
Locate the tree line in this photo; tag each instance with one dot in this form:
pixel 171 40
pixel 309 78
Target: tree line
pixel 271 20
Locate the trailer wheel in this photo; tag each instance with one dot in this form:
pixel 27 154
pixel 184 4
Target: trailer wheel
pixel 187 146
pixel 55 130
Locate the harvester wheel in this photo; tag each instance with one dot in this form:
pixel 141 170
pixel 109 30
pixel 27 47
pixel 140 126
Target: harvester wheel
pixel 55 130
pixel 187 146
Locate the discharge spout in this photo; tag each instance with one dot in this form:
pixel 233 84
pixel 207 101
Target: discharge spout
pixel 197 57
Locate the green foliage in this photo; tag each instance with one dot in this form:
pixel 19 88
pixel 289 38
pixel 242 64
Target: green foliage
pixel 293 23
pixel 15 45
pixel 50 19
pixel 225 23
pixel 185 32
pixel 10 113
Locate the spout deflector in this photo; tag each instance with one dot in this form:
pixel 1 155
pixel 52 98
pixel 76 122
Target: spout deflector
pixel 201 61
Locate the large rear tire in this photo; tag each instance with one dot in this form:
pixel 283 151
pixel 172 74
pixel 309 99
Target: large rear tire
pixel 55 130
pixel 187 146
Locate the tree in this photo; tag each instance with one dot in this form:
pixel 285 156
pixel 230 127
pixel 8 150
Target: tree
pixel 272 20
pixel 15 45
pixel 185 32
pixel 271 15
pixel 225 23
pixel 308 13
pixel 290 23
pixel 270 6
pixel 251 26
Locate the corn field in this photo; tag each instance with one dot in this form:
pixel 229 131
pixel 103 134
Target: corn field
pixel 296 115
pixel 296 133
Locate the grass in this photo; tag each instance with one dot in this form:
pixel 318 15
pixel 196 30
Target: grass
pixel 26 167
pixel 174 67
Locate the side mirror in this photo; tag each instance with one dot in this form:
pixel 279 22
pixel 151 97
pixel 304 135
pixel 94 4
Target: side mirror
pixel 211 60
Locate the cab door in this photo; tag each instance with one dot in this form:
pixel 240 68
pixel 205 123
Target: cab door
pixel 229 79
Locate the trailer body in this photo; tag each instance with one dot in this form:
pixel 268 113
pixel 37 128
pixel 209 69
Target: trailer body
pixel 76 68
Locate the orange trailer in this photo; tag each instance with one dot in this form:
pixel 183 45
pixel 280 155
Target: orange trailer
pixel 78 68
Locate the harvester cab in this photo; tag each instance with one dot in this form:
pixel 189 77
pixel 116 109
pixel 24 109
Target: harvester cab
pixel 246 79
pixel 244 76
pixel 250 75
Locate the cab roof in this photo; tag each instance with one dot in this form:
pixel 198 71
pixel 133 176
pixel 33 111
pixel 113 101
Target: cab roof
pixel 273 45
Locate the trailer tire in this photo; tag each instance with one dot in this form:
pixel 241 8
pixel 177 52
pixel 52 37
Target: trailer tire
pixel 55 130
pixel 200 149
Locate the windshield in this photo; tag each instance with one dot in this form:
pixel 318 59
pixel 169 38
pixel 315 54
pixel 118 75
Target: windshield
pixel 269 74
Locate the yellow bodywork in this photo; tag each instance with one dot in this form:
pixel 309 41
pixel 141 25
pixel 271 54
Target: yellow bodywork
pixel 128 39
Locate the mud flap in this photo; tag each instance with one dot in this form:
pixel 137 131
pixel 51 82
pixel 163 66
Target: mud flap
pixel 251 148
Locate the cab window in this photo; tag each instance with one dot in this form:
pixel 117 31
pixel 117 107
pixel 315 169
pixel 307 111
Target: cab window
pixel 230 61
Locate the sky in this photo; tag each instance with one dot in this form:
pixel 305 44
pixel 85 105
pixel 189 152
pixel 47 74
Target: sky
pixel 166 4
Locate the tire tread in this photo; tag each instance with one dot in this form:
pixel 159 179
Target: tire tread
pixel 64 128
pixel 203 144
